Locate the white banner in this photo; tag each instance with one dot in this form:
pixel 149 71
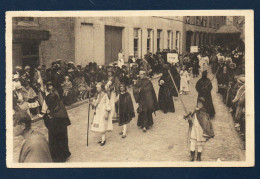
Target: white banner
pixel 194 49
pixel 172 58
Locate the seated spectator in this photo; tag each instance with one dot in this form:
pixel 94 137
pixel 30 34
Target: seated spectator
pixel 67 91
pixel 31 97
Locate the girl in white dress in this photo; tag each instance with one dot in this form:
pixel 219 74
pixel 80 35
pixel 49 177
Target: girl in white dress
pixel 101 122
pixel 185 78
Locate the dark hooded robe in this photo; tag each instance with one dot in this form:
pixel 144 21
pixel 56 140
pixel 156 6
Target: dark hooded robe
pixel 176 76
pixel 57 128
pixel 145 96
pixel 204 87
pixel 166 91
pixel 126 109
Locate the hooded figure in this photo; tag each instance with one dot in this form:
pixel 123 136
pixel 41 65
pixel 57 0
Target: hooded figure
pixel 56 120
pixel 145 96
pixel 204 87
pixel 166 91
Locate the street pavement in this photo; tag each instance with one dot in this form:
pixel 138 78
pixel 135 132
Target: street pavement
pixel 165 141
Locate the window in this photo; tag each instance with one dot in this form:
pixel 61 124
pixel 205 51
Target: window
pixel 177 42
pixel 136 41
pixel 159 40
pixel 169 39
pixel 149 32
pixel 188 19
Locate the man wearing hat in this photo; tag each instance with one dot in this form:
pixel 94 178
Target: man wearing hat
pixel 27 70
pixel 145 96
pixel 204 87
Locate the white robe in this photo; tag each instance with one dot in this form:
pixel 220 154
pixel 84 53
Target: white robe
pixel 185 77
pixel 120 60
pixel 100 124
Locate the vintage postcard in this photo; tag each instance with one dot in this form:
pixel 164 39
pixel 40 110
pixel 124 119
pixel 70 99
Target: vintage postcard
pixel 130 89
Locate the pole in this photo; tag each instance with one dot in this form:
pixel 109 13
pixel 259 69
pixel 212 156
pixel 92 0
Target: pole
pixel 178 92
pixel 89 94
pixel 190 126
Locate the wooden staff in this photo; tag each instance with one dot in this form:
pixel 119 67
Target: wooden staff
pixel 185 109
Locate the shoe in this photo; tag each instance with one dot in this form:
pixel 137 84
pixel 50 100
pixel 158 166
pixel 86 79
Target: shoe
pixel 199 156
pixel 121 133
pixel 192 155
pixel 103 143
pixel 237 125
pixel 144 129
pixel 100 141
pixel 124 136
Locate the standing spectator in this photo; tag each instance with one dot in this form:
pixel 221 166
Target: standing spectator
pixel 35 148
pixel 121 61
pixel 145 96
pixel 56 120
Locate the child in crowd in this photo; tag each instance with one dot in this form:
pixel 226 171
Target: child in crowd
pixel 67 86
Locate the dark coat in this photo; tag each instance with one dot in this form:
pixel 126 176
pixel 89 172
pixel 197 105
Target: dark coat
pixel 166 91
pixel 204 87
pixel 126 109
pixel 145 96
pixel 176 76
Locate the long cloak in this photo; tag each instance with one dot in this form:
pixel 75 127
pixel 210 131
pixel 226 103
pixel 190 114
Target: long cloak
pixel 177 78
pixel 126 109
pixel 145 96
pixel 166 90
pixel 57 128
pixel 204 87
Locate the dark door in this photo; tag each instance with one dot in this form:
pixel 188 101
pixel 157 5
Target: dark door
pixel 30 54
pixel 113 43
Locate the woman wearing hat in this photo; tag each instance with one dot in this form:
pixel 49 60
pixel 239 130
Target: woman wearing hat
pixel 101 122
pixel 201 130
pixel 145 96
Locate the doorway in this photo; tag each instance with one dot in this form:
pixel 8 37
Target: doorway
pixel 113 43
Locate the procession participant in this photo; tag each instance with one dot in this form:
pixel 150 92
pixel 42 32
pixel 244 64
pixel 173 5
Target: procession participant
pixel 35 148
pixel 195 65
pixel 101 122
pixel 204 87
pixel 145 96
pixel 120 59
pixel 201 130
pixel 56 121
pixel 176 76
pixel 31 98
pixel 165 99
pixel 110 88
pixel 214 63
pixel 126 109
pixel 204 62
pixel 185 78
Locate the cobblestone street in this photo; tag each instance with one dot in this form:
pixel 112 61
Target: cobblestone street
pixel 165 141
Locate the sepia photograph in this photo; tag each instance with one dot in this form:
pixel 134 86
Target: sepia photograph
pixel 130 89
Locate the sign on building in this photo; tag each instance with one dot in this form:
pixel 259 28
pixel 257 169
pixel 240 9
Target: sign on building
pixel 194 49
pixel 172 58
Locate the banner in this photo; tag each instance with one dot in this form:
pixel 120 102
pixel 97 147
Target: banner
pixel 194 49
pixel 172 57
